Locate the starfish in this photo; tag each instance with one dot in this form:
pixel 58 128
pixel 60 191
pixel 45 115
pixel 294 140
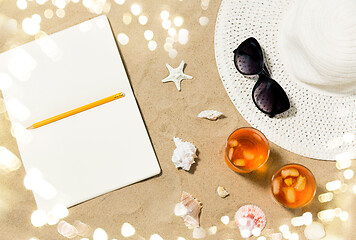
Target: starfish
pixel 176 75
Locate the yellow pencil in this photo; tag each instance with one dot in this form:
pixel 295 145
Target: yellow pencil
pixel 76 110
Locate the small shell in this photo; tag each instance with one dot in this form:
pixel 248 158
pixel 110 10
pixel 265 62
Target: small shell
pixel 210 114
pixel 248 218
pixel 314 231
pixel 184 154
pixel 222 192
pixel 189 210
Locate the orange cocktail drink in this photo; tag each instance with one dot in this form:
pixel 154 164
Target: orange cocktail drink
pixel 246 150
pixel 293 186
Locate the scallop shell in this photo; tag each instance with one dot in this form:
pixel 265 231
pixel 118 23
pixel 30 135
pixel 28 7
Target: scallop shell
pixel 189 210
pixel 249 218
pixel 210 114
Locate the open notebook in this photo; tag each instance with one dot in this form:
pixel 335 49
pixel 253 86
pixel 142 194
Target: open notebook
pixel 90 153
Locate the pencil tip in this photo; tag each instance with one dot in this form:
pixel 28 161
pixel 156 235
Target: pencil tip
pixel 30 127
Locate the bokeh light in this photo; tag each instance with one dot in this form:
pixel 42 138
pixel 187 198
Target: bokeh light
pixel 225 220
pixel 152 45
pixel 123 38
pixel 127 18
pixel 41 2
pixel 204 4
pixel 60 13
pixel 39 218
pixel 48 13
pixel 148 34
pixel 326 197
pixel 120 2
pixel 178 21
pixel 333 185
pixel 203 21
pixel 127 230
pixel 17 109
pixel 172 32
pixel 21 4
pixel 30 26
pixel 60 211
pixel 82 228
pixel 164 15
pixel 183 36
pixel 8 161
pixel 156 237
pixel 21 134
pixel 212 230
pixel 143 20
pixel 172 53
pixel 166 24
pixel 100 234
pixel 66 229
pixel 348 174
pixel 136 9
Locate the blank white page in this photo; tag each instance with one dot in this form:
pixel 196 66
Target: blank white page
pixel 90 153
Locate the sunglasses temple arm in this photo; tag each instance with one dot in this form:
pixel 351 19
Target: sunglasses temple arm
pixel 265 71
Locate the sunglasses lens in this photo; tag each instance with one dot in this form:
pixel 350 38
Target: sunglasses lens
pixel 248 57
pixel 269 96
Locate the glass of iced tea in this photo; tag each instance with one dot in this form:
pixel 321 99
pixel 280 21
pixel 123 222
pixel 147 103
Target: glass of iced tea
pixel 246 150
pixel 293 186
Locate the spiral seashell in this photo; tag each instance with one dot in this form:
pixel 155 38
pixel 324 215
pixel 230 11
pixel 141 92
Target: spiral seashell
pixel 318 45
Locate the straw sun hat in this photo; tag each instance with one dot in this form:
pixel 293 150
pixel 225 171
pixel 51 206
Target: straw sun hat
pixel 310 50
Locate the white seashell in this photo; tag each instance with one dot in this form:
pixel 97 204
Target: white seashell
pixel 189 210
pixel 210 114
pixel 314 231
pixel 222 192
pixel 199 233
pixel 184 154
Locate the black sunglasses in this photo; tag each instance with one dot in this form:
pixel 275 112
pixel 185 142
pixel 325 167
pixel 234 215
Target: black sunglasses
pixel 268 96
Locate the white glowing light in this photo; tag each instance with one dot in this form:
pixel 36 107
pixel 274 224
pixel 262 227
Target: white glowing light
pixel 199 233
pixel 294 236
pixel 225 220
pixel 8 161
pixel 143 20
pixel 326 197
pixel 48 13
pixel 37 18
pixel 22 64
pixel 136 9
pixel 156 237
pixel 276 236
pixel 333 185
pixel 164 15
pixel 66 229
pixel 60 211
pixel 87 3
pixel 183 36
pixel 21 134
pixel 30 26
pixel 204 4
pixel 245 233
pixel 212 230
pixel 126 18
pixel 152 45
pixel 349 137
pixel 166 24
pixel 120 2
pixel 45 190
pixel 60 13
pixel 32 178
pixel 82 228
pixel 172 53
pixel 59 3
pixel 203 21
pixel 52 219
pixel 261 238
pixel 123 38
pixel 33 238
pixel 148 34
pixel 181 238
pixel 256 232
pixel 127 230
pixel 172 32
pixel 344 216
pixel 326 215
pixel 343 160
pixel 75 1
pixel 17 109
pixel 39 218
pixel 41 2
pixel 21 4
pixel 297 221
pixel 178 21
pixel 100 234
pixel 308 218
pixel 167 46
pixel 284 228
pixel 348 174
pixel 5 81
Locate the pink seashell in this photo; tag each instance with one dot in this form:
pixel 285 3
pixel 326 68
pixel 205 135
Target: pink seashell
pixel 189 210
pixel 248 218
